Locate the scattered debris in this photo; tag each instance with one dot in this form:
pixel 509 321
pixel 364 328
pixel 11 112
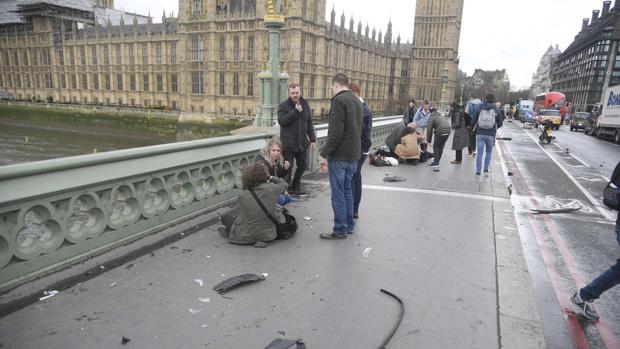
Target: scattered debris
pixel 185 250
pixel 265 275
pixel 204 300
pixel 208 256
pixel 48 294
pixel 504 138
pixel 286 344
pixel 174 247
pixel 236 281
pixel 194 311
pixel 102 266
pixel 125 340
pixel 394 179
pixel 115 282
pixel 400 318
pixel 204 326
pixel 129 266
pixel 223 275
pixel 555 210
pixel 510 174
pixel 367 252
pixel 307 218
pixel 282 333
pixel 199 281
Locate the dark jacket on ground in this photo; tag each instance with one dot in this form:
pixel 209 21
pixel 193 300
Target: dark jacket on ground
pixel 409 114
pixel 459 125
pixel 252 225
pixel 277 170
pixel 437 125
pixel 498 119
pixel 344 135
pixel 295 127
pixel 394 138
pixel 367 129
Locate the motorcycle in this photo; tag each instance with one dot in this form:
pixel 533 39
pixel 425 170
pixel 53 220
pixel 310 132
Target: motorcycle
pixel 546 131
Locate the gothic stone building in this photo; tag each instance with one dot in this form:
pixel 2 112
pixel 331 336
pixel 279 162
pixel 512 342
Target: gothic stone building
pixel 541 79
pixel 206 60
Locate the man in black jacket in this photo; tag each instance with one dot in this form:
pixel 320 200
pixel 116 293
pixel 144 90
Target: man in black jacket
pixel 295 131
pixel 342 150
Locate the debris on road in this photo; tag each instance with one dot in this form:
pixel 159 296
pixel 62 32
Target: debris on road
pixel 204 326
pixel 199 282
pixel 265 275
pixel 556 210
pixel 194 311
pixel 125 340
pixel 400 318
pixel 48 294
pixel 280 343
pixel 394 179
pixel 307 218
pixel 504 138
pixel 510 174
pixel 115 282
pixel 236 281
pixel 204 300
pixel 367 252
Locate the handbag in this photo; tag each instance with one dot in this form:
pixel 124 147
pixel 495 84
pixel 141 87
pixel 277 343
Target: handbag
pixel 611 196
pixel 284 230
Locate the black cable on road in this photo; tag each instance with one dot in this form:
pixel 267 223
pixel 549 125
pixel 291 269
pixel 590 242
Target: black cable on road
pixel 400 318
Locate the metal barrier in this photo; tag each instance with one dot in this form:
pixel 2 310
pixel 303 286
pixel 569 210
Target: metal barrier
pixel 57 212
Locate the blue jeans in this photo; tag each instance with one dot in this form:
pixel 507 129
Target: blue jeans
pixel 605 281
pixel 340 181
pixel 357 183
pixel 484 144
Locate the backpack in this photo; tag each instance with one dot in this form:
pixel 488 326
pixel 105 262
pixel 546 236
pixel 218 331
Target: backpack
pixel 486 119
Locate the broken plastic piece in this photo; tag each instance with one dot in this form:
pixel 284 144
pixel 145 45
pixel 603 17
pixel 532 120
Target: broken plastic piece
pixel 400 318
pixel 307 218
pixel 199 281
pixel 394 179
pixel 125 340
pixel 510 174
pixel 367 252
pixel 556 210
pixel 265 274
pixel 48 294
pixel 194 311
pixel 236 281
pixel 286 344
pixel 204 300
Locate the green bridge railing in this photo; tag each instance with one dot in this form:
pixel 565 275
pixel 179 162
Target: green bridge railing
pixel 58 212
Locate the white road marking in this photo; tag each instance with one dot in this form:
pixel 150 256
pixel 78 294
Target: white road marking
pixel 591 179
pixel 425 191
pixel 592 200
pixel 575 166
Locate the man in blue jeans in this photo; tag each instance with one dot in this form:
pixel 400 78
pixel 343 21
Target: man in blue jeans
pixel 342 150
pixel 584 298
pixel 486 119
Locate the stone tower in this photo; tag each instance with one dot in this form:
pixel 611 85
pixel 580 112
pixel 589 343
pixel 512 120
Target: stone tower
pixel 437 32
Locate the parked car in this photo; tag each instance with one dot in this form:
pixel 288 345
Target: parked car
pixel 552 115
pixel 578 121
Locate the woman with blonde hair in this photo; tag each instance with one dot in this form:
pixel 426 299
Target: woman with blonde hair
pixel 271 156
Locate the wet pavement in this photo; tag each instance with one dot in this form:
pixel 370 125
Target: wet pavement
pixel 565 251
pixel 445 242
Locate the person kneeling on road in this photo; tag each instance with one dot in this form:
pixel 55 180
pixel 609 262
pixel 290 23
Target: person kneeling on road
pixel 271 156
pixel 252 226
pixel 408 149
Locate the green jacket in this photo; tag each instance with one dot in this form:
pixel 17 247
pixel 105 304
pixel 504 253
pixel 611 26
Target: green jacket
pixel 439 125
pixel 252 225
pixel 344 135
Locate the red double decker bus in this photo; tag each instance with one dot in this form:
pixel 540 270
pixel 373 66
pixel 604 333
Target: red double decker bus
pixel 551 100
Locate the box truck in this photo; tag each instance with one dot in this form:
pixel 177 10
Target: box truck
pixel 608 124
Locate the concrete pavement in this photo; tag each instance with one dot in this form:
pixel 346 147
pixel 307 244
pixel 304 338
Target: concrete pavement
pixel 446 243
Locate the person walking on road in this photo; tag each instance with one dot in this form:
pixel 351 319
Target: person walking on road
pixel 421 118
pixel 584 298
pixel 296 131
pixel 342 151
pixel 486 120
pixel 439 127
pixel 409 112
pixel 461 133
pixel 366 143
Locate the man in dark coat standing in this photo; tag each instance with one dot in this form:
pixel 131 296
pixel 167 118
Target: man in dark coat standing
pixel 342 150
pixel 296 131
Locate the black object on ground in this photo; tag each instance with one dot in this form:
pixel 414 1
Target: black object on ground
pixel 504 138
pixel 125 340
pixel 286 344
pixel 510 174
pixel 400 318
pixel 236 281
pixel 556 210
pixel 394 179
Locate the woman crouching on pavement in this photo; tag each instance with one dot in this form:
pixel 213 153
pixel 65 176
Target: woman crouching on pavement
pixel 408 149
pixel 271 156
pixel 252 226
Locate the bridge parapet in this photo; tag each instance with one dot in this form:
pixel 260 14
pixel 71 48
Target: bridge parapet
pixel 57 212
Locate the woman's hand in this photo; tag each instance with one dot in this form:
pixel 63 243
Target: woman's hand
pixel 287 165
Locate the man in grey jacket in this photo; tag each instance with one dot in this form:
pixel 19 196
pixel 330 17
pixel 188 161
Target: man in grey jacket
pixel 342 150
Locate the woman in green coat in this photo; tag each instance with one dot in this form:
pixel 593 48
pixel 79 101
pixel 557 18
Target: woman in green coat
pixel 252 226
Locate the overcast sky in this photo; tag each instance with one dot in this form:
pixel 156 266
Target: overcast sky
pixel 495 34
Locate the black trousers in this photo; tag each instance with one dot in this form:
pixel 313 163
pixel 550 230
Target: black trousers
pixel 472 142
pixel 300 160
pixel 438 145
pixel 459 155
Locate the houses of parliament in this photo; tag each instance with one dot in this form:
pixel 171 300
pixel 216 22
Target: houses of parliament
pixel 207 58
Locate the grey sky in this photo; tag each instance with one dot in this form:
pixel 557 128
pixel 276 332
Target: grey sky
pixel 495 34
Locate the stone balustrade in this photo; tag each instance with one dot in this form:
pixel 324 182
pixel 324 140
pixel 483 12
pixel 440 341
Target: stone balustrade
pixel 57 212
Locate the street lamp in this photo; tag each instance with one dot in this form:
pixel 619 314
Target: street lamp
pixel 444 81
